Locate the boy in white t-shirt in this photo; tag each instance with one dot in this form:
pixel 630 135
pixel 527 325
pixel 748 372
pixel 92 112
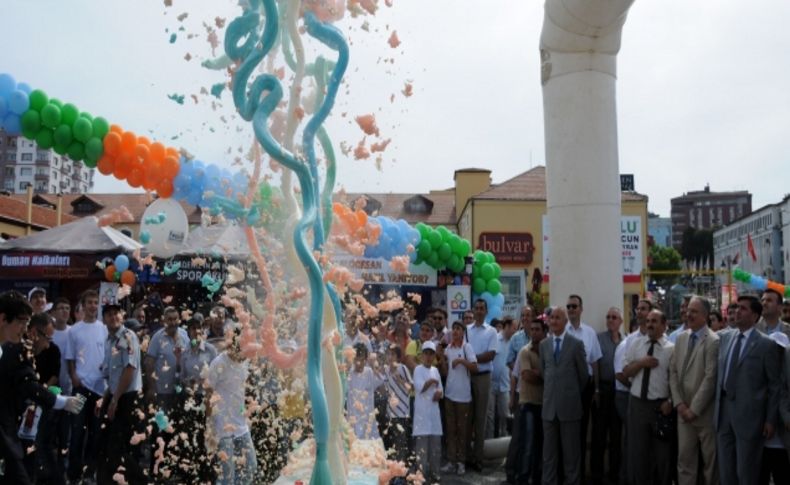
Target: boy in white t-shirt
pixel 400 386
pixel 360 405
pixel 459 363
pixel 427 430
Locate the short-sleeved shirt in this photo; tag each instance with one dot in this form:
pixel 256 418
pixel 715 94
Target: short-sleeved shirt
pixel 517 342
pixel 228 380
pixel 483 339
pixel 606 365
pixel 619 364
pixel 194 362
pixel 529 359
pixel 459 383
pixel 500 373
pixel 592 348
pixel 427 419
pixel 414 349
pixel 122 350
pixel 398 405
pixel 86 348
pixel 658 387
pixel 162 350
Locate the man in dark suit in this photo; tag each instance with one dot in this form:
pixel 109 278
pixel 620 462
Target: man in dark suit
pixel 747 396
pixel 19 383
pixel 564 368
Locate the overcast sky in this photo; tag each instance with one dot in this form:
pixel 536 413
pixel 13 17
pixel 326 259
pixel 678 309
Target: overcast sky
pixel 703 91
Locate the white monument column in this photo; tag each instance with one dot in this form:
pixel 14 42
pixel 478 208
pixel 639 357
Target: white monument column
pixel 578 49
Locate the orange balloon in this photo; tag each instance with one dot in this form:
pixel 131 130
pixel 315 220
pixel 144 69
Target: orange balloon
pixel 157 151
pixel 362 217
pixel 170 167
pixel 123 165
pixel 153 174
pixel 116 129
pixel 128 278
pixel 777 287
pixel 143 140
pixel 165 188
pixel 142 152
pixel 128 142
pixel 112 143
pixel 109 273
pixel 106 165
pixel 135 177
pixel 172 152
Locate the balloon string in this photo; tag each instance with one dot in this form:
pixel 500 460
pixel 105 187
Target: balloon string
pixel 252 107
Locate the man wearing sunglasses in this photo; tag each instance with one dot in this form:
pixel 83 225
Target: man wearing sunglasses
pixel 592 350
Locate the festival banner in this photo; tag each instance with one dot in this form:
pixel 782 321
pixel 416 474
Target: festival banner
pixel 377 271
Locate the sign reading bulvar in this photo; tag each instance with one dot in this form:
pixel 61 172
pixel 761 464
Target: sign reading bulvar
pixel 508 247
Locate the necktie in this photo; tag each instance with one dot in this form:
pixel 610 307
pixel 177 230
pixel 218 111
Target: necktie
pixel 729 385
pixel 692 344
pixel 646 375
pixel 557 349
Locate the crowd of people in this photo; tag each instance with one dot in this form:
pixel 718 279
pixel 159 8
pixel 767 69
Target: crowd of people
pixel 110 399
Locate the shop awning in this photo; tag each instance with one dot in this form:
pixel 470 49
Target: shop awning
pixel 82 236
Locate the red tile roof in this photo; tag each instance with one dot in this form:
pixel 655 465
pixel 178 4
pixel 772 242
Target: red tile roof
pixel 13 209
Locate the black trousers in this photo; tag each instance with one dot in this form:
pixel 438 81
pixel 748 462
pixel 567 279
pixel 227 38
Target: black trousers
pixel 606 435
pixel 116 453
pixel 587 397
pixel 775 465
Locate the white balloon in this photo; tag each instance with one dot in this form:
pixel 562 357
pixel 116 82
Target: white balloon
pixel 166 223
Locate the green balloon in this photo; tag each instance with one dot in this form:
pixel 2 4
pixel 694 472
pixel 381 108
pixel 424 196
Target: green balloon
pixel 487 271
pixel 90 162
pixel 424 249
pixel 83 129
pixel 479 285
pixel 459 266
pixel 86 115
pixel 466 248
pixel 94 149
pixel 452 262
pixel 76 151
pixel 45 139
pixel 100 127
pixel 70 114
pixel 444 251
pixel 50 115
pixel 480 257
pixel 455 244
pixel 423 229
pixel 418 260
pixel 446 234
pixel 497 270
pixel 60 149
pixel 494 287
pixel 31 121
pixel 56 102
pixel 63 135
pixel 490 257
pixel 38 99
pixel 435 239
pixel 29 134
pixel 433 260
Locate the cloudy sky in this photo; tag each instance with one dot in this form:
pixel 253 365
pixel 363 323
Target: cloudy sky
pixel 703 91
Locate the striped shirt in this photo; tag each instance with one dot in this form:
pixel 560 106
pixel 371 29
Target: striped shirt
pixel 399 389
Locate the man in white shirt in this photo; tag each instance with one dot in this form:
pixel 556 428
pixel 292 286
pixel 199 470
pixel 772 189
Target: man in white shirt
pixel 592 349
pixel 647 364
pixel 85 356
pixel 483 339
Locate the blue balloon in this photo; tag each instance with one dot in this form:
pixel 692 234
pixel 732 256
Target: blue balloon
pixel 12 124
pixel 3 107
pixel 24 87
pixel 182 182
pixel 18 102
pixel 758 282
pixel 194 197
pixel 499 300
pixel 494 313
pixel 488 298
pixel 121 263
pixel 7 84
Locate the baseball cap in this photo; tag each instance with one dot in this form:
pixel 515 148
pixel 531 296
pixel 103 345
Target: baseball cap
pixel 35 290
pixel 107 306
pixel 429 346
pixel 132 324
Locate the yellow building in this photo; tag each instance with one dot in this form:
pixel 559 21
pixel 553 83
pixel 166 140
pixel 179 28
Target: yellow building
pixel 509 219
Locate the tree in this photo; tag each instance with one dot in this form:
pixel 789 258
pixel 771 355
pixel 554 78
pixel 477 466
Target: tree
pixel 663 258
pixel 697 247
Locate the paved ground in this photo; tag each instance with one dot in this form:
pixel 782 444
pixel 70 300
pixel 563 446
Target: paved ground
pixel 493 474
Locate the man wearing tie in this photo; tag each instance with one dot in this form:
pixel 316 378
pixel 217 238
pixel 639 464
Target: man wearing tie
pixel 747 396
pixel 692 378
pixel 564 370
pixel 647 363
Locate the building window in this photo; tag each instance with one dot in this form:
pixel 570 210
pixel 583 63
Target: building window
pixel 24 185
pixel 9 185
pixel 27 157
pixel 55 175
pixel 25 171
pixel 9 171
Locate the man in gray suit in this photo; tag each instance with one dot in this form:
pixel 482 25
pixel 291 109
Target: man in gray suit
pixel 747 396
pixel 770 320
pixel 564 367
pixel 692 378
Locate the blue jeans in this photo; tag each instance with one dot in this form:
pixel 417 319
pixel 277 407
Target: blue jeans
pixel 240 466
pixel 530 460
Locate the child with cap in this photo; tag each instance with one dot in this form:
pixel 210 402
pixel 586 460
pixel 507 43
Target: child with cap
pixel 427 430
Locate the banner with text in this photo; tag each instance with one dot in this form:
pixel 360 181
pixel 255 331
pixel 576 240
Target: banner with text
pixel 631 241
pixel 377 271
